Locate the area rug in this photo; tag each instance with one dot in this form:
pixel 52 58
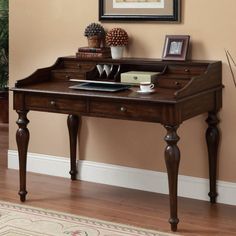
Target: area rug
pixel 21 220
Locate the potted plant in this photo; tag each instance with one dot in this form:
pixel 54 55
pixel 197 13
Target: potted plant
pixel 4 61
pixel 95 34
pixel 117 39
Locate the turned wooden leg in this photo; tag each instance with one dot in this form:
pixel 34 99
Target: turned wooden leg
pixel 73 126
pixel 172 159
pixel 22 139
pixel 212 138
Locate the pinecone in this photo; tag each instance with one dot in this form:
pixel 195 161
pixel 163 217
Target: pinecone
pixel 117 37
pixel 94 29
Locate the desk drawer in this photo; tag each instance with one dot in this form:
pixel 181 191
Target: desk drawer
pixel 54 104
pixel 171 83
pixel 67 75
pixel 78 65
pixel 126 110
pixel 187 70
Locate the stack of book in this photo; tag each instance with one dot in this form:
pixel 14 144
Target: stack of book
pixel 87 52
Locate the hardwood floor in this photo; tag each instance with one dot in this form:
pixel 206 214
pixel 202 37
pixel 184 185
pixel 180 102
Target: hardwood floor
pixel 138 208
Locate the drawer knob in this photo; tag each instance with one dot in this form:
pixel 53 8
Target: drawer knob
pixel 68 76
pixel 177 83
pixel 53 103
pixel 123 109
pixel 186 70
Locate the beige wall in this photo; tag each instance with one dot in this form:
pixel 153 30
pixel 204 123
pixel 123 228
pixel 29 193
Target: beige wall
pixel 41 31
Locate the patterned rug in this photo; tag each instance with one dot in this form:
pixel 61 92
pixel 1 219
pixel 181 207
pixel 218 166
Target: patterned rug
pixel 19 220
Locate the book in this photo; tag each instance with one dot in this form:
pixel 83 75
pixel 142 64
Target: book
pixel 93 54
pixel 88 49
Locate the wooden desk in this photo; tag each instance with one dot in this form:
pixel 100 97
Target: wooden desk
pixel 183 90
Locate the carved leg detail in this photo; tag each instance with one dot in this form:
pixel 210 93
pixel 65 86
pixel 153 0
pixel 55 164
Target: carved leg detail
pixel 212 139
pixel 73 126
pixel 22 139
pixel 172 159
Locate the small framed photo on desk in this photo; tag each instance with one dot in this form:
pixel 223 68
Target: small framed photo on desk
pixel 176 47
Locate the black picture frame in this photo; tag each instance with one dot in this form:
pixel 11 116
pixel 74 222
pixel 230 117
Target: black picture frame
pixel 174 16
pixel 176 47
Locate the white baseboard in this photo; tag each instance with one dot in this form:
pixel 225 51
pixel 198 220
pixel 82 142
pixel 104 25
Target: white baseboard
pixel 147 180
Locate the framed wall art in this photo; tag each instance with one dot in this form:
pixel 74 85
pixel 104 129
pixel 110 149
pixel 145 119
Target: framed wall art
pixel 176 47
pixel 139 10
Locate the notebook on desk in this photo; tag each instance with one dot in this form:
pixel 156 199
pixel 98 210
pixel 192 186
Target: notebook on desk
pixel 106 87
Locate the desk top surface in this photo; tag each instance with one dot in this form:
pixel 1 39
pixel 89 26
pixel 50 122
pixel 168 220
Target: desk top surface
pixel 62 88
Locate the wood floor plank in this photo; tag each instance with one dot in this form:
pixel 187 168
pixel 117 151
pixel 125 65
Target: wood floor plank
pixel 121 205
